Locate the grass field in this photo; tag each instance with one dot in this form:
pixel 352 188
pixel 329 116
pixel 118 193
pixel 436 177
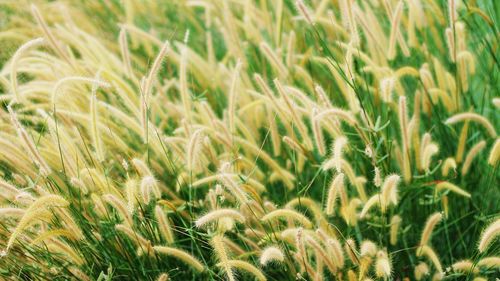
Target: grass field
pixel 249 139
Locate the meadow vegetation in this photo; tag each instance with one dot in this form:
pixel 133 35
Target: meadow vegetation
pixel 249 139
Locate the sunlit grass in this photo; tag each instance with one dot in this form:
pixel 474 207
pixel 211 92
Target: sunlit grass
pixel 243 140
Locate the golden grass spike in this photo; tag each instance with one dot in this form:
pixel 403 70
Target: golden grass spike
pixel 496 102
pixel 335 188
pixel 141 167
pixel 184 91
pixel 290 214
pixel 383 267
pixel 431 255
pixel 125 52
pixel 464 266
pixel 233 96
pixel 163 277
pixel 271 254
pixel 8 190
pixel 421 271
pixel 368 248
pixel 15 59
pixel 149 189
pixel 432 221
pixel 403 123
pixel 449 163
pixel 450 40
pixel 275 62
pixel 119 206
pixel 131 194
pixel 472 117
pixel 310 204
pixel 374 200
pixel 11 212
pixel 336 251
pixel 389 191
pixel 295 115
pixel 48 34
pixel 452 12
pixel 489 235
pixel 51 233
pixel 62 247
pixel 449 186
pixel 95 127
pixel 41 204
pixel 294 145
pixel 428 152
pixel 79 274
pixel 193 150
pixel 395 223
pixel 243 265
pixel 219 247
pixel 321 254
pixel 395 20
pixel 494 153
pixel 304 10
pixel 154 70
pixel 489 262
pixel 318 133
pixel 180 254
pixel 350 249
pixel 473 152
pixel 337 150
pixel 219 214
pixel 345 116
pixel 164 225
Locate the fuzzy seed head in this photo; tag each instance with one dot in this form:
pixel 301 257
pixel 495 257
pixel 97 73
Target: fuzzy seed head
pixel 271 254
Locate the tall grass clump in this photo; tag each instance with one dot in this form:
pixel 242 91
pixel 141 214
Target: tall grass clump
pixel 244 140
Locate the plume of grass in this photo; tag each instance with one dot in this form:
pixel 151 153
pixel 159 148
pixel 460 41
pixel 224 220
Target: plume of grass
pixel 335 188
pixel 164 225
pixel 233 96
pixel 464 266
pixel 449 186
pixel 368 248
pixel 219 214
pixel 383 266
pixel 432 256
pixel 119 206
pixel 473 117
pixel 395 20
pixel 489 235
pixel 243 265
pixel 403 123
pixel 180 254
pixel 289 214
pixel 220 250
pixel 203 132
pixel 15 59
pixel 395 223
pixel 389 191
pixel 449 163
pixel 476 149
pixel 494 153
pixel 41 204
pixel 271 254
pixel 489 262
pixel 432 221
pixel 421 271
